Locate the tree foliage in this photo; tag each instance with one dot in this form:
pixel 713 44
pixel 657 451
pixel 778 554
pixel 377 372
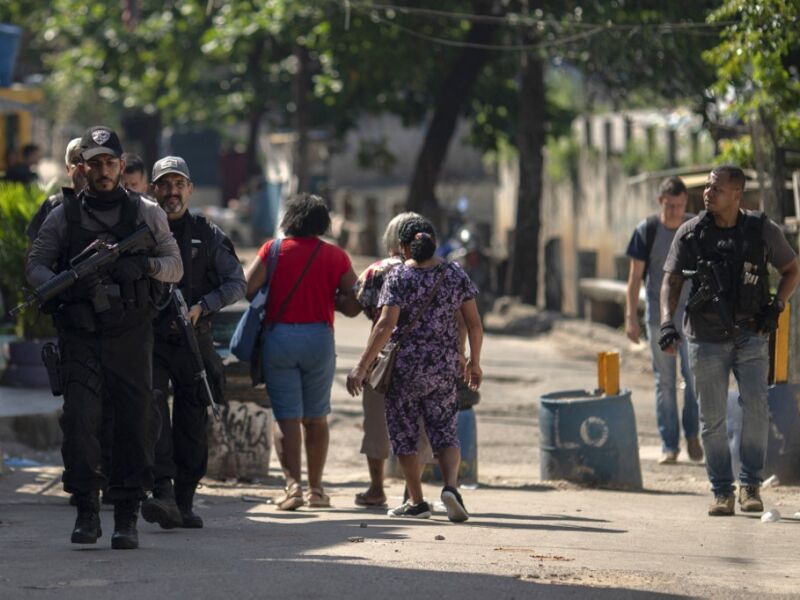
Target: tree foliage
pixel 757 63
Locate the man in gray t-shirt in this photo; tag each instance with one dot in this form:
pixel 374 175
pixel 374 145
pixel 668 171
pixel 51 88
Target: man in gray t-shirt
pixel 648 250
pixel 728 328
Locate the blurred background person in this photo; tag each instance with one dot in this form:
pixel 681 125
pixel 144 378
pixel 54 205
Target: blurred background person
pixel 135 176
pixel 23 171
pixel 72 158
pixel 648 249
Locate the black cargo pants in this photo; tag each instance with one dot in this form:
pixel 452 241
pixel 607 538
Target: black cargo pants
pixel 115 372
pixel 181 452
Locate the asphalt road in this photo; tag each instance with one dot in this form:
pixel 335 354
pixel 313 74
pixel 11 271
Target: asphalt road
pixel 526 538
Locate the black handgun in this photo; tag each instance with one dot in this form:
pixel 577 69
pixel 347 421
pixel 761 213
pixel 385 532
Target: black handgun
pixel 52 362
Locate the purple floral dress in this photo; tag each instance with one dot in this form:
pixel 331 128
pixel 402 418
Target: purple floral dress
pixel 424 376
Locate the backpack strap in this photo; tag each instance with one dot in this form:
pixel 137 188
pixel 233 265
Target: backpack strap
pixel 650 230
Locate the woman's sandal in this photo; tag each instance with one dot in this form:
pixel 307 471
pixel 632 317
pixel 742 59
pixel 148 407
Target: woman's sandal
pixel 293 498
pixel 363 500
pixel 317 498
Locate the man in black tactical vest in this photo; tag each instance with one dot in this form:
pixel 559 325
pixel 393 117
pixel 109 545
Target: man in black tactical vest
pixel 212 279
pixel 72 158
pixel 730 315
pixel 105 335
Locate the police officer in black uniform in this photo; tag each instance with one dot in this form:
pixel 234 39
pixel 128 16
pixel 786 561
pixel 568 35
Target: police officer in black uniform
pixel 212 279
pixel 106 350
pixel 72 158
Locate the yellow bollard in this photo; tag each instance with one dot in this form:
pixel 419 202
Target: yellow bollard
pixel 608 372
pixel 612 373
pixel 781 366
pixel 601 371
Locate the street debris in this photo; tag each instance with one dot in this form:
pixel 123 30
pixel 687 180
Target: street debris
pixel 439 538
pixel 355 539
pixel 256 499
pixel 771 481
pixel 363 525
pixel 771 516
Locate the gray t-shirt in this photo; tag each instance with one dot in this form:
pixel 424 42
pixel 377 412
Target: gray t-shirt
pixel 706 326
pixel 637 249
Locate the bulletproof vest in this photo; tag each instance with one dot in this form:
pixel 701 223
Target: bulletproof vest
pixel 746 261
pixel 199 272
pixel 195 240
pixel 129 302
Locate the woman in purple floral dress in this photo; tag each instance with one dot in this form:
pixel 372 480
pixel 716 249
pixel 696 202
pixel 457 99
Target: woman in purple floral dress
pixel 428 363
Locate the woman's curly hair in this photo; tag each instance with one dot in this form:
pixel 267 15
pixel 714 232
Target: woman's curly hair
pixel 305 215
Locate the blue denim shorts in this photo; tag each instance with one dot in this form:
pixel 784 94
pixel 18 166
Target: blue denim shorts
pixel 299 364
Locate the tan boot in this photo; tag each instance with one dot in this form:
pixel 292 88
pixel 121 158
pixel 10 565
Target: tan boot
pixel 723 506
pixel 750 498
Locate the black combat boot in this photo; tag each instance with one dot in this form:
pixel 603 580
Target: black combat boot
pixel 125 535
pixel 184 496
pixel 160 507
pixel 87 525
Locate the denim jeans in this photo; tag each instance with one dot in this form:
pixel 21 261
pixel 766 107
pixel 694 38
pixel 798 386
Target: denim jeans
pixel 665 374
pixel 747 356
pixel 299 365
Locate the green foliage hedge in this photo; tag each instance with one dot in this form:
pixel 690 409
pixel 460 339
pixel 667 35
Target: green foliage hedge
pixel 18 204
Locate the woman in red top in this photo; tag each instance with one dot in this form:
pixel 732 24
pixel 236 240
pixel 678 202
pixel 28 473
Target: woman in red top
pixel 312 279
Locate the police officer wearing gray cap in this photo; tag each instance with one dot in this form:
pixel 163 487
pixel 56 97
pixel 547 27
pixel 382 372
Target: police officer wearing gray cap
pixel 212 279
pixel 106 348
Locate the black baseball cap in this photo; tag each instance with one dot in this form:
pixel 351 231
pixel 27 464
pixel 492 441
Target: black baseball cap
pixel 100 140
pixel 170 164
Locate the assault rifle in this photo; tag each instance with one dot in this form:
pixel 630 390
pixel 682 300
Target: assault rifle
pixel 710 280
pixel 181 313
pixel 95 257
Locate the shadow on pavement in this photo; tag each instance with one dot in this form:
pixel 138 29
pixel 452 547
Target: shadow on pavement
pixel 247 551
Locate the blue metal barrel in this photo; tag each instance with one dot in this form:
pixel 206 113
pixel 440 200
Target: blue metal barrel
pixel 9 44
pixel 590 439
pixel 783 441
pixel 783 445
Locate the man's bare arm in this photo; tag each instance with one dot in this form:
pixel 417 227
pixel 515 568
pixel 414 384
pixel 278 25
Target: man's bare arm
pixel 670 295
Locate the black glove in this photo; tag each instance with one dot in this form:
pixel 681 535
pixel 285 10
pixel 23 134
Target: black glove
pixel 767 318
pixel 669 336
pixel 129 268
pixel 85 287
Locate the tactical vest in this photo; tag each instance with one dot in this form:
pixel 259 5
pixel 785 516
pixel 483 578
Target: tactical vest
pixel 130 302
pixel 747 263
pixel 195 241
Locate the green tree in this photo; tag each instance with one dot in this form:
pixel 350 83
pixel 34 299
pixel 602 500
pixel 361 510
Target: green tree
pixel 756 65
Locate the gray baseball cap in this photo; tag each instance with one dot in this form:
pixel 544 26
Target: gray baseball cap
pixel 170 164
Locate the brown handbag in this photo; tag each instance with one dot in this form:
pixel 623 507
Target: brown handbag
pixel 380 376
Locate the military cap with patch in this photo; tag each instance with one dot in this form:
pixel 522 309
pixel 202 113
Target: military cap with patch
pixel 100 140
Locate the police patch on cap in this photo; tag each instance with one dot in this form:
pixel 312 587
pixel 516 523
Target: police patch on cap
pixel 101 136
pixel 100 140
